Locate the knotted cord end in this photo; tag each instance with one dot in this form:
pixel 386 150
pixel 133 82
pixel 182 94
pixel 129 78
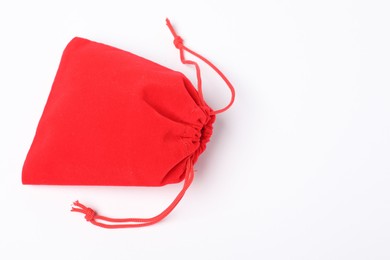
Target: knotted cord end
pixel 89 213
pixel 178 41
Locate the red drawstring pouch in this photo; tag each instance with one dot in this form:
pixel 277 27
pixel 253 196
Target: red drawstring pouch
pixel 116 119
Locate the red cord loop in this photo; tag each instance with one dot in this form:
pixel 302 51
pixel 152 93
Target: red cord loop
pixel 178 42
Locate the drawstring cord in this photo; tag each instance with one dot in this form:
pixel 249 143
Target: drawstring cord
pixel 178 42
pixel 95 219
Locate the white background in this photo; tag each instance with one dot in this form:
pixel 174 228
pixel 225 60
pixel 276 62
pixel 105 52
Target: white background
pixel 298 168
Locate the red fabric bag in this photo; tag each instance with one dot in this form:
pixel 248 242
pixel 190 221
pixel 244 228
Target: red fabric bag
pixel 114 118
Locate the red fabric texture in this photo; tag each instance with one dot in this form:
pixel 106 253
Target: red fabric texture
pixel 114 118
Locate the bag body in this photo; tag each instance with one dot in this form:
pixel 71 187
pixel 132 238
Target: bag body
pixel 114 118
